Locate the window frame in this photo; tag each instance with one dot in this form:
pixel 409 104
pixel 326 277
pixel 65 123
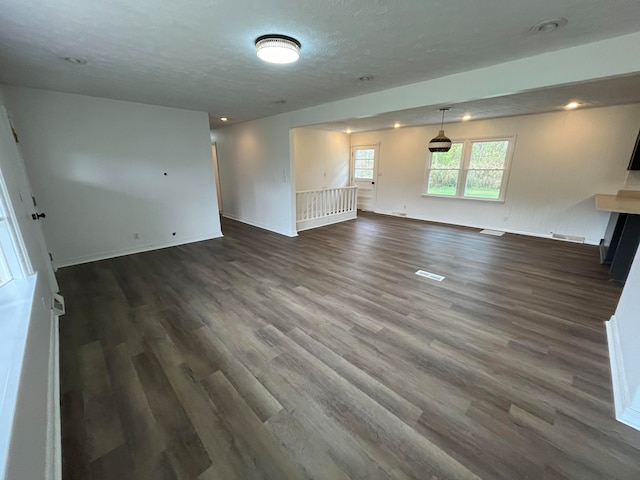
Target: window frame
pixel 373 170
pixel 12 264
pixel 464 169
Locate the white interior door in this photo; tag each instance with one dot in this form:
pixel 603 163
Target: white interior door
pixel 364 175
pixel 30 239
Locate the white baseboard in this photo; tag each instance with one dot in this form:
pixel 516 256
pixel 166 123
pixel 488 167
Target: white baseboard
pixel 627 408
pixel 488 227
pixel 263 226
pixel 54 437
pixel 137 249
pixel 321 222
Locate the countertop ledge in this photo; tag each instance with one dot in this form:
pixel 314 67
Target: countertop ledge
pixel 625 201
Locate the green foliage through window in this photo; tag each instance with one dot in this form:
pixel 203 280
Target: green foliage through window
pixel 479 165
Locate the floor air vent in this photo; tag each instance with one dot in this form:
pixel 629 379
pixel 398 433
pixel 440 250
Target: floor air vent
pixel 567 238
pixel 495 233
pixel 430 275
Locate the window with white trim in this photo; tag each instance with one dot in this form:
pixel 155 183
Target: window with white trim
pixel 5 245
pixel 10 266
pixel 364 163
pixel 473 169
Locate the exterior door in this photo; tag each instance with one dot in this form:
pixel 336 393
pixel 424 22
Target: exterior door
pixel 31 242
pixel 364 174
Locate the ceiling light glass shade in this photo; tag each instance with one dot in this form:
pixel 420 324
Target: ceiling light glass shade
pixel 277 49
pixel 441 143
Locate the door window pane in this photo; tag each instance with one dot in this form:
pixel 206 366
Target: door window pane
pixel 365 154
pixel 364 163
pixel 364 173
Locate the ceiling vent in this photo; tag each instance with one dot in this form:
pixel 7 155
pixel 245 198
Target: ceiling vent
pixel 548 26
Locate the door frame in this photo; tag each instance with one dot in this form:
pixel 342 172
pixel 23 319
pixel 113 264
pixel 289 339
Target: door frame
pixel 24 208
pixel 216 172
pixel 376 163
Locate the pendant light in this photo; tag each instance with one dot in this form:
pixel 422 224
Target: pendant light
pixel 441 143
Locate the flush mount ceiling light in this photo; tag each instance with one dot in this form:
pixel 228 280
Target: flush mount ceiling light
pixel 571 105
pixel 277 49
pixel 441 143
pixel 547 26
pixel 466 117
pixel 396 125
pixel 223 119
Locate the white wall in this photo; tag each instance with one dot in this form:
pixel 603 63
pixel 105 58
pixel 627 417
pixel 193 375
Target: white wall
pixel 633 180
pixel 255 160
pixel 216 171
pixel 255 173
pixel 628 319
pixel 97 169
pixel 559 162
pixel 28 445
pixel 623 332
pixel 321 159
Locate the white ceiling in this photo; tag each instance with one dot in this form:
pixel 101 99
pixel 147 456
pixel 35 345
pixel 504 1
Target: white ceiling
pixel 611 91
pixel 199 54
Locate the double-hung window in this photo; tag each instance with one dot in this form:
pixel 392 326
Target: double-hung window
pixel 474 169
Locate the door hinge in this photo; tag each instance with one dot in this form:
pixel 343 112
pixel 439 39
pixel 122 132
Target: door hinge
pixel 50 257
pixel 15 135
pixel 35 204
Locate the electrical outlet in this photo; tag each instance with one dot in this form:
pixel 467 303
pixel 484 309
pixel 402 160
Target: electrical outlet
pixel 136 236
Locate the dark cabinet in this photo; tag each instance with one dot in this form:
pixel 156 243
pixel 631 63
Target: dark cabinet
pixel 620 244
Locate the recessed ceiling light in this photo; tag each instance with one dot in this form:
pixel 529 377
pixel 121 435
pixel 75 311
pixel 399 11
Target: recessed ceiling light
pixel 223 119
pixel 348 130
pixel 466 117
pixel 547 26
pixel 277 49
pixel 365 78
pixel 396 125
pixel 280 102
pixel 571 105
pixel 75 60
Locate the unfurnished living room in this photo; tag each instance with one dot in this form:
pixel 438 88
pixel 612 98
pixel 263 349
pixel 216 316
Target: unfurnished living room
pixel 319 240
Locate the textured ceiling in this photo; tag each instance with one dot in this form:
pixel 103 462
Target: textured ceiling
pixel 612 91
pixel 199 54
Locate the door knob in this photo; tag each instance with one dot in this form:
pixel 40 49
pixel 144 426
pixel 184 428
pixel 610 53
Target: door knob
pixel 36 215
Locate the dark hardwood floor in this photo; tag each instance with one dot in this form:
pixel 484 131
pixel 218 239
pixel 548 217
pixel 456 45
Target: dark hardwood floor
pixel 257 356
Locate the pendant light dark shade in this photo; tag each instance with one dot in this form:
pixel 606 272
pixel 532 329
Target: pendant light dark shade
pixel 441 143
